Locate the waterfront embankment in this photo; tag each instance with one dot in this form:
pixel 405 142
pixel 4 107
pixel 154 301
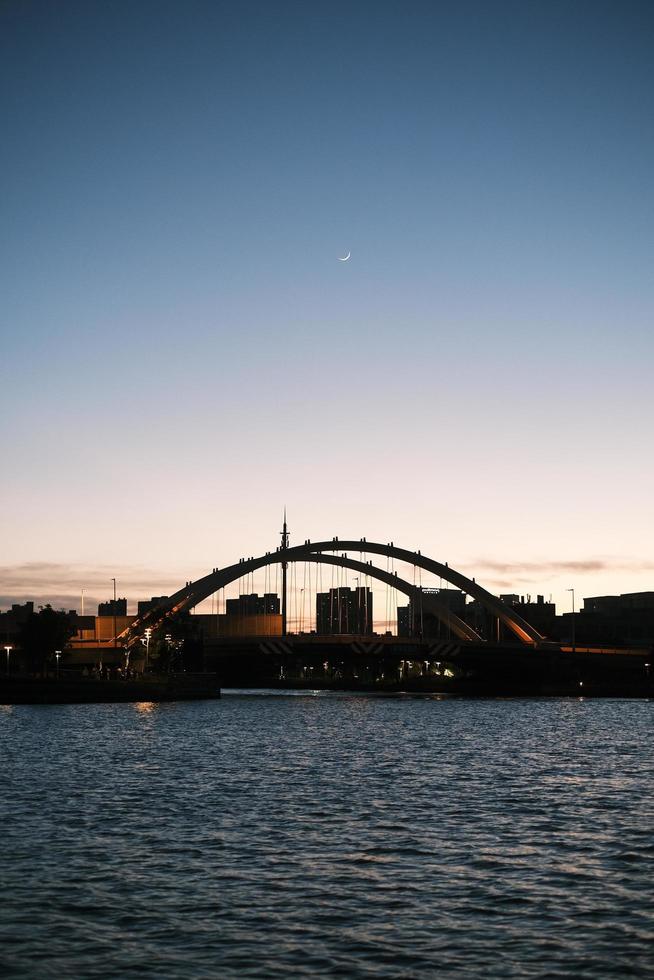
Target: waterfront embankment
pixel 90 690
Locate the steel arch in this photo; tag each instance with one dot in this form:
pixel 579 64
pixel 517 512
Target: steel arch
pixel 195 592
pixel 518 626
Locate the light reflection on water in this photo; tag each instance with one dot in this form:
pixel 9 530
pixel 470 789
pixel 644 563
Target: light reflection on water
pixel 145 707
pixel 314 834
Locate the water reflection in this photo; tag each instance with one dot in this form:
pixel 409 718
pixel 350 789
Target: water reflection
pixel 145 707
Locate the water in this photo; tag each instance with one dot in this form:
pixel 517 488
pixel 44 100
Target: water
pixel 327 835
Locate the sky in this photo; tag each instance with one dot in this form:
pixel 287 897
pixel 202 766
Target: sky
pixel 183 355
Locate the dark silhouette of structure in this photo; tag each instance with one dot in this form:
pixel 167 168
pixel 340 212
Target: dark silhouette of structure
pixel 284 549
pixel 145 605
pixel 253 605
pixel 626 618
pixel 114 607
pixel 195 592
pixel 12 620
pixel 541 615
pixel 344 610
pixel 415 620
pixel 489 645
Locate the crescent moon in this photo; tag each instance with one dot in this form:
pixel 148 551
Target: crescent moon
pixel 345 257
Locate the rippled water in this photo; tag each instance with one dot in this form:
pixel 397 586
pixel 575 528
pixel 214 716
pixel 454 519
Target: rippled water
pixel 328 835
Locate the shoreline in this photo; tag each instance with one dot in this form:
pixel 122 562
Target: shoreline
pixel 172 687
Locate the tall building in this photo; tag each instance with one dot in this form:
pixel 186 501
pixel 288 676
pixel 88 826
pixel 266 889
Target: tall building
pixel 253 605
pixel 344 611
pixel 405 620
pixel 114 607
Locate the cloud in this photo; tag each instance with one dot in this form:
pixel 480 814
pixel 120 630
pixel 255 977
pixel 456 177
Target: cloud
pixel 529 571
pixel 501 584
pixel 61 584
pixel 58 600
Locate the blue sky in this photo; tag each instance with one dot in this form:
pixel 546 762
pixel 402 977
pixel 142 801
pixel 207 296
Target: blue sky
pixel 183 353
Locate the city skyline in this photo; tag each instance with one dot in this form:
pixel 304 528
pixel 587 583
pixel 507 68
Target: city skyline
pixel 142 584
pixel 183 354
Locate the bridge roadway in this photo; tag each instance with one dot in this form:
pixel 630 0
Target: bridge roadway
pixel 421 664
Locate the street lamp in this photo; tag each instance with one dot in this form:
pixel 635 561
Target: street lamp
pixel 148 634
pixel 573 618
pixel 57 655
pixel 8 649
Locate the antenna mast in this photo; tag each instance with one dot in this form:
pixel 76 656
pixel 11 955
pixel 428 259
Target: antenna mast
pixel 284 567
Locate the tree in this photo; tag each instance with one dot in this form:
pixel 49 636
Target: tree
pixel 43 633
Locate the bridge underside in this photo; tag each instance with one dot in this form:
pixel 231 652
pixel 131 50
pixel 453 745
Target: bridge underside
pixel 393 664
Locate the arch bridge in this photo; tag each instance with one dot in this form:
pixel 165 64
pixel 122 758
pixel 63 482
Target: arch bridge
pixel 337 553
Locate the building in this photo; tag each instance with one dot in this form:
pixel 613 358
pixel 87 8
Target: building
pixel 344 610
pixel 104 626
pixel 626 618
pixel 85 626
pixel 253 605
pixel 264 624
pixel 249 615
pixel 114 607
pixel 12 620
pixel 145 605
pixel 405 620
pixel 611 605
pixel 414 620
pixel 539 614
